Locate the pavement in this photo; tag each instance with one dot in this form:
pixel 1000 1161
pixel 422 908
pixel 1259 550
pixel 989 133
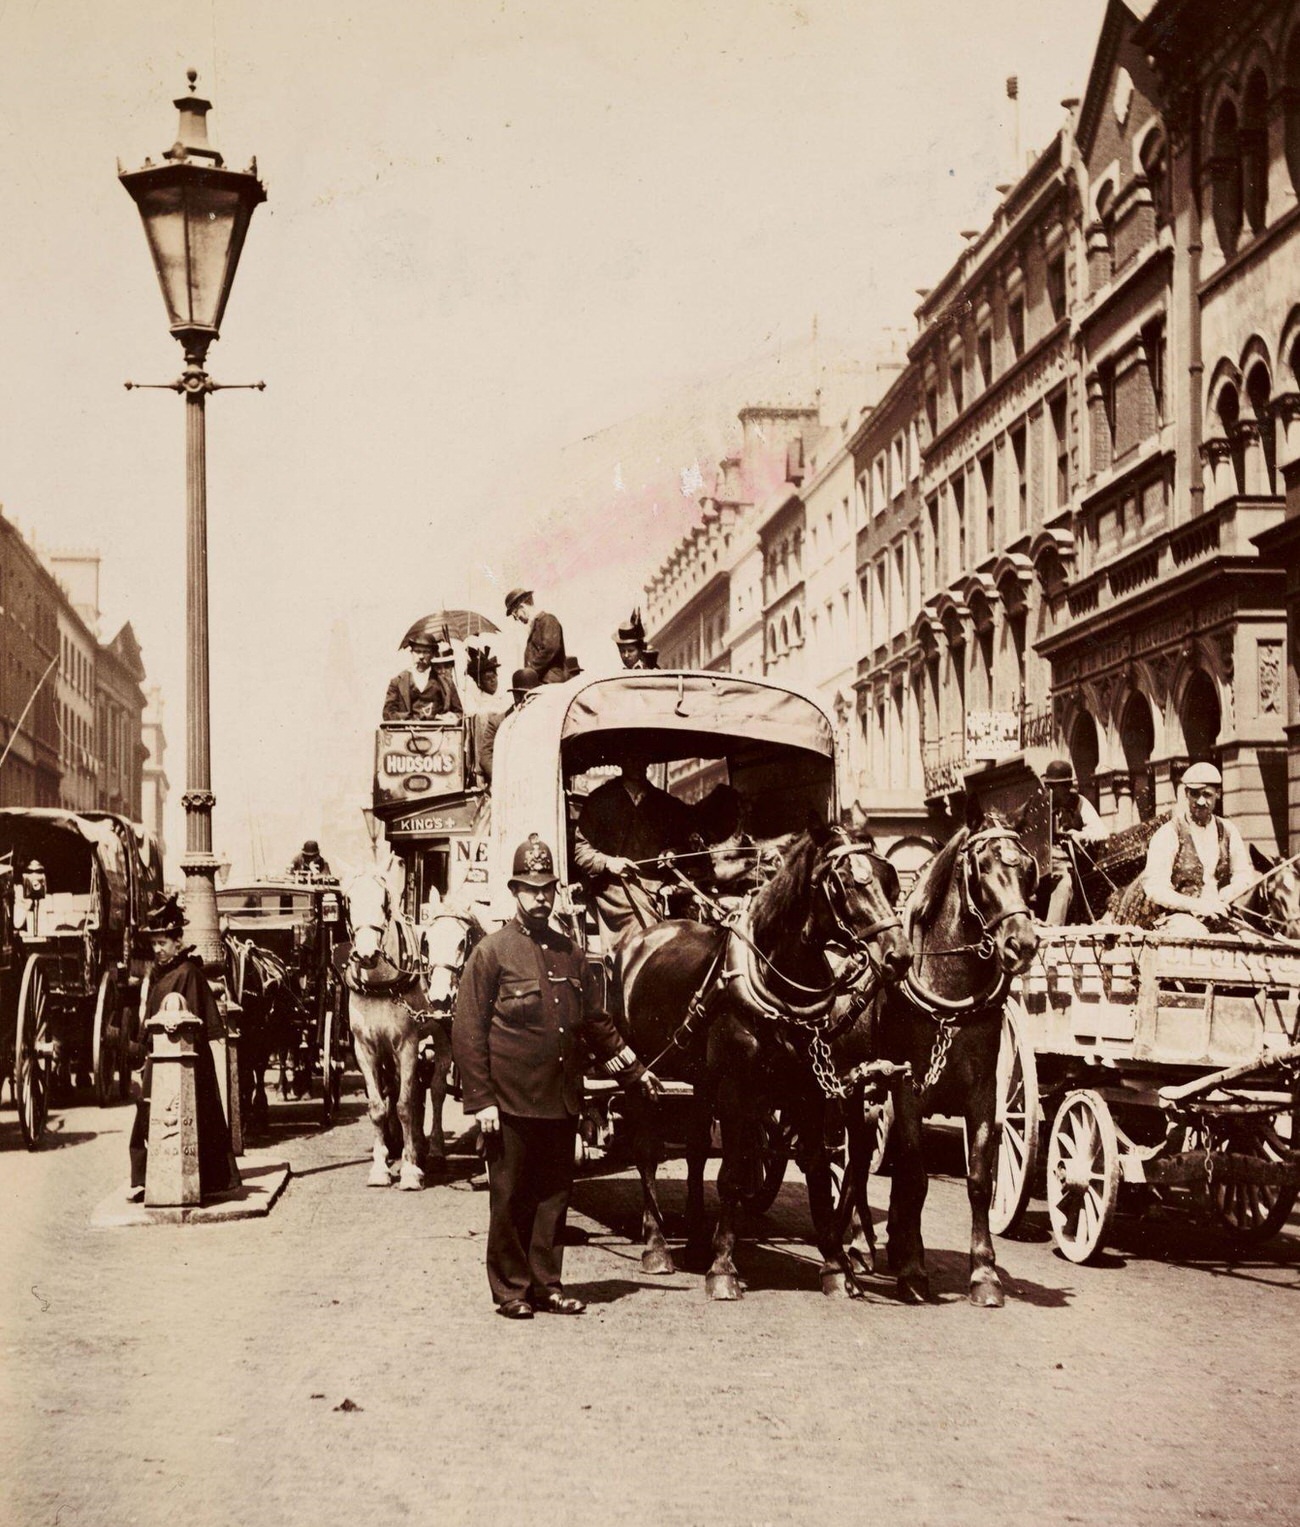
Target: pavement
pixel 338 1361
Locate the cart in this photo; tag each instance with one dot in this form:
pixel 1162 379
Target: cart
pixel 72 953
pixel 1153 1069
pixel 773 746
pixel 279 936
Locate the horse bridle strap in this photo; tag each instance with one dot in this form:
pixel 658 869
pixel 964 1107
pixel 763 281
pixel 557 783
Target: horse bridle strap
pixel 860 935
pixel 988 925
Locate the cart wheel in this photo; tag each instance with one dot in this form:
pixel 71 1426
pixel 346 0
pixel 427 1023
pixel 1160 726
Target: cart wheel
pixel 1082 1175
pixel 1251 1214
pixel 31 1061
pixel 776 1157
pixel 127 1020
pixel 1020 1112
pixel 106 1039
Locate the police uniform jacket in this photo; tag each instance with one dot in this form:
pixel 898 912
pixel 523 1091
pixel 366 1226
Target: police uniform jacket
pixel 544 650
pixel 527 1016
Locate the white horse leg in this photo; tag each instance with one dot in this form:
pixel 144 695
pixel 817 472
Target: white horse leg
pixel 366 1047
pixel 412 1176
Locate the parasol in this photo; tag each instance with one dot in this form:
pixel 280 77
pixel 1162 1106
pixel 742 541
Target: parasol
pixel 457 625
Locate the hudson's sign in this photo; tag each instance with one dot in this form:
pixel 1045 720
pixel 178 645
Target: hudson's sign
pixel 415 762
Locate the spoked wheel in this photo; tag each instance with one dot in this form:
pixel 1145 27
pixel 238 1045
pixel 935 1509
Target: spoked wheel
pixel 1020 1114
pixel 31 1054
pixel 107 1047
pixel 331 1060
pixel 1252 1213
pixel 776 1157
pixel 1082 1175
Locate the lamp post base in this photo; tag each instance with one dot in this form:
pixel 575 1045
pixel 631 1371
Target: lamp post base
pixel 201 928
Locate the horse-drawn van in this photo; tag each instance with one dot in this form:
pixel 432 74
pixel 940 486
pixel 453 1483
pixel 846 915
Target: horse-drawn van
pixel 73 953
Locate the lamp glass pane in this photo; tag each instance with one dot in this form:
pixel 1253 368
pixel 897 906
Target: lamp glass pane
pixel 162 210
pixel 217 218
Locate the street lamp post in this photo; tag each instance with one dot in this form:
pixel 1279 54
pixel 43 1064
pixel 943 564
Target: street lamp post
pixel 196 215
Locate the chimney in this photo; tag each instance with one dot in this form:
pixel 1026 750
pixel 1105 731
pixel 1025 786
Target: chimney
pixel 78 572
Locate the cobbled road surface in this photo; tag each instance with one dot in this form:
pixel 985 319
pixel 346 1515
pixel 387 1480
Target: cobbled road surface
pixel 339 1362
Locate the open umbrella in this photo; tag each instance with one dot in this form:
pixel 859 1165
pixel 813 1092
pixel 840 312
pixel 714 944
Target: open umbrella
pixel 459 626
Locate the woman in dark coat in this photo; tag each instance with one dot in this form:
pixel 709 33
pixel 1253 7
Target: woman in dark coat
pixel 177 968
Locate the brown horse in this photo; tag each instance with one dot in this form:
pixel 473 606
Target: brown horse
pixel 971 930
pixel 747 1013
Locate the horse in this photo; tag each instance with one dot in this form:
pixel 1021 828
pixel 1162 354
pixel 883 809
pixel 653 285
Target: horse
pixel 746 1013
pixel 445 940
pixel 258 982
pixel 971 931
pixel 381 970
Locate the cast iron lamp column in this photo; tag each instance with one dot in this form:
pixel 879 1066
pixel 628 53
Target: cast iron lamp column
pixel 196 215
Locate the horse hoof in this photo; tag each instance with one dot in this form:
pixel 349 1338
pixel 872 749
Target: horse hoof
pixel 395 1168
pixel 379 1177
pixel 834 1283
pixel 987 1295
pixel 657 1259
pixel 411 1179
pixel 914 1288
pixel 723 1286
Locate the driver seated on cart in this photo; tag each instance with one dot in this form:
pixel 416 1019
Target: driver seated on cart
pixel 1075 821
pixel 1197 862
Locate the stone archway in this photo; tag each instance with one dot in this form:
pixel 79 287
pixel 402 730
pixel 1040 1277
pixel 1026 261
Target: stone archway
pixel 1201 716
pixel 1137 735
pixel 1085 754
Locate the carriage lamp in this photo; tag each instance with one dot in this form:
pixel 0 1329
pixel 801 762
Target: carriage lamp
pixel 196 214
pixel 34 884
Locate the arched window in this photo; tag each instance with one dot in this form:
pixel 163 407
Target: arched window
pixel 1258 394
pixel 1291 97
pixel 785 635
pixel 1155 166
pixel 1254 150
pixel 1229 410
pixel 1225 173
pixel 796 625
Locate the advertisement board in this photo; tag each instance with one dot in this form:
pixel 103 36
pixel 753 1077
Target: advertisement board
pixel 418 761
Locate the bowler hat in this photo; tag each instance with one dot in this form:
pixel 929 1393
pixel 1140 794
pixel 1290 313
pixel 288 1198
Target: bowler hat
pixel 165 917
pixel 1203 774
pixel 524 679
pixel 572 668
pixel 534 863
pixel 311 846
pixel 1058 772
pixel 515 598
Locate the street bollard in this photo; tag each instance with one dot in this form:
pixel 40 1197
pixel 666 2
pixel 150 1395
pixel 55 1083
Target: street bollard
pixel 172 1174
pixel 234 1108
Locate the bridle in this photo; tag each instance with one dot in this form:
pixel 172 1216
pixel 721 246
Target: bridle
pixel 988 926
pixel 853 938
pixel 454 966
pixel 361 978
pixel 946 1009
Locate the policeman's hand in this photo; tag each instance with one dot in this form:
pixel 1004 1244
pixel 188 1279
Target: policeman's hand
pixel 489 1119
pixel 649 1086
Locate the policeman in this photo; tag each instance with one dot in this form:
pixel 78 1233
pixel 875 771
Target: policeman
pixel 526 1013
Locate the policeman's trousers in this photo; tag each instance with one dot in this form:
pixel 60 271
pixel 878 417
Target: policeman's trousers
pixel 530 1178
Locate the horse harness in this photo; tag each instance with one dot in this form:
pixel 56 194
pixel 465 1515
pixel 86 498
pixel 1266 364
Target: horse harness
pixel 949 1014
pixel 738 963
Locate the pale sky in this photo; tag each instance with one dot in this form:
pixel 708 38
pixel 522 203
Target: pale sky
pixel 492 230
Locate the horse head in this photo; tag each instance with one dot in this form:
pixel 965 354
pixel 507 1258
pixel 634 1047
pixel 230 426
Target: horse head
pixel 445 943
pixel 855 891
pixel 1279 892
pixel 998 879
pixel 369 905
